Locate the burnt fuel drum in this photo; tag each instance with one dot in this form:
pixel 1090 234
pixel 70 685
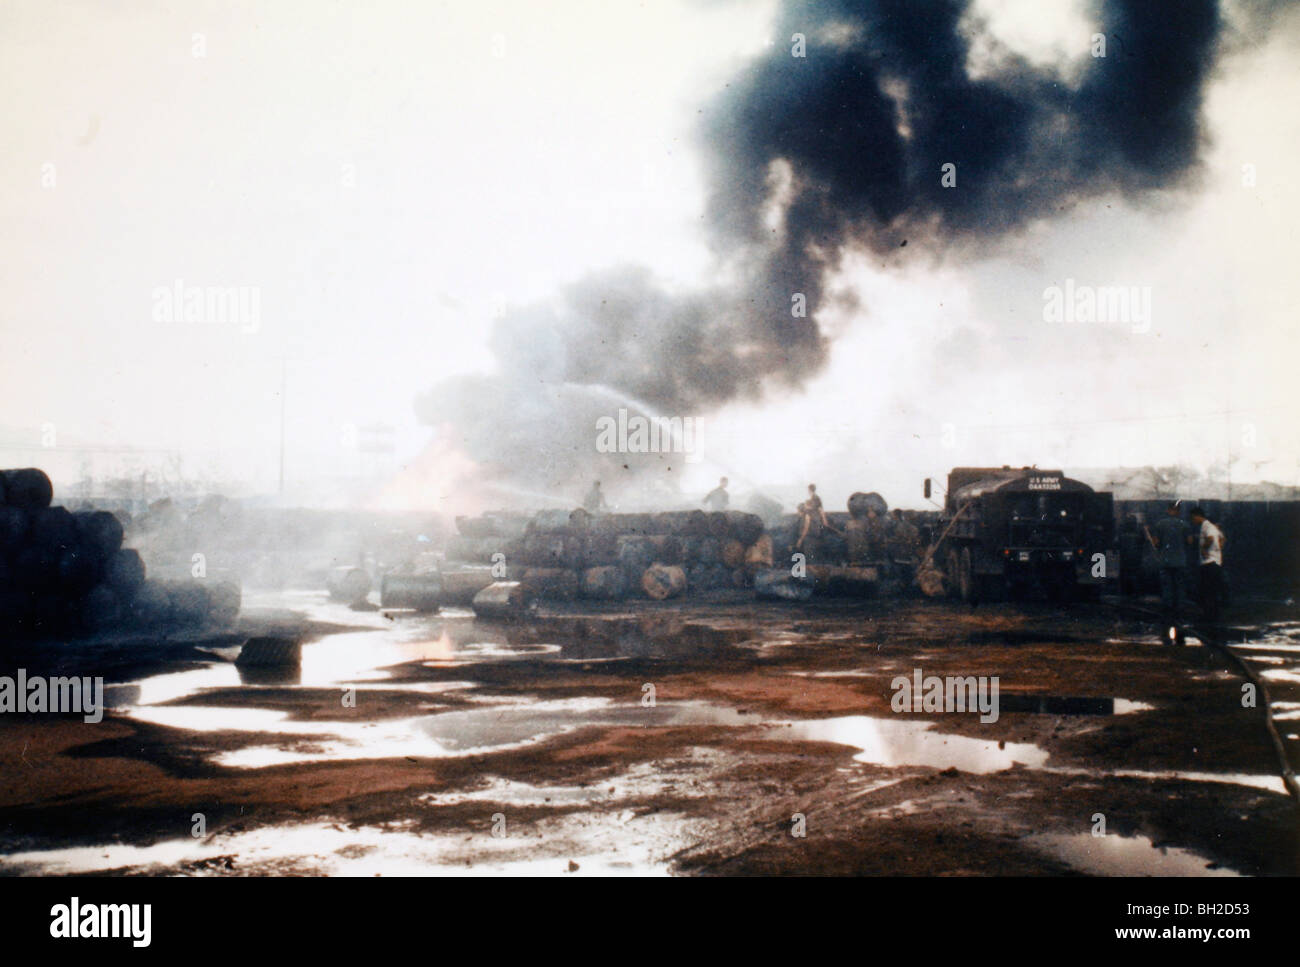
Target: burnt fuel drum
pixel 1007 531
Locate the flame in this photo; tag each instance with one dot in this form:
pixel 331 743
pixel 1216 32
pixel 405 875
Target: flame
pixel 441 478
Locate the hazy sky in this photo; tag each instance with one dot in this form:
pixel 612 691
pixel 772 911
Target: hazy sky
pixel 388 176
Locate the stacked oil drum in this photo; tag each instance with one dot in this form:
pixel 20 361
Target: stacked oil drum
pixel 573 554
pixel 65 572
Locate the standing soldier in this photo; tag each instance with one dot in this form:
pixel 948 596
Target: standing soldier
pixel 1171 539
pixel 905 539
pixel 594 502
pixel 876 535
pixel 1209 574
pixel 812 525
pixel 718 498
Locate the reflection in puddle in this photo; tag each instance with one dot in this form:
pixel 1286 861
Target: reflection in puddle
pixel 324 849
pixel 661 636
pixel 202 719
pixel 165 688
pixel 361 656
pixel 1122 855
pixel 480 729
pixel 851 673
pixel 909 742
pixel 523 794
pixel 1067 705
pixel 1270 783
pixel 1012 702
pixel 1267 782
pixel 455 733
pixel 639 781
pixel 480 651
pixel 1266 644
pixel 1281 675
pixel 269 674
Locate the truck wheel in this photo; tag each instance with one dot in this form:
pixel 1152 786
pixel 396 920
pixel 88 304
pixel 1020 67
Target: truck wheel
pixel 966 578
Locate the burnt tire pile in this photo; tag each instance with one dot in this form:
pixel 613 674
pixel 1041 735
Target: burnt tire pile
pixel 66 572
pixel 572 554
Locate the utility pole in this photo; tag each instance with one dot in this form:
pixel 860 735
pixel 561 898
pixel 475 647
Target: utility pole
pixel 284 386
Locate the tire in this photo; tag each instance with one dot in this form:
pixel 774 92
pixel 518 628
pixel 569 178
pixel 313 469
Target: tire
pixel 966 578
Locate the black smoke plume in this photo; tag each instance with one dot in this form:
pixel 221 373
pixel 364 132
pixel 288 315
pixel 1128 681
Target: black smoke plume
pixel 810 158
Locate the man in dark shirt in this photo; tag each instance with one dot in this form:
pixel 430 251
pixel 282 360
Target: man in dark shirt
pixel 904 538
pixel 1171 537
pixel 717 498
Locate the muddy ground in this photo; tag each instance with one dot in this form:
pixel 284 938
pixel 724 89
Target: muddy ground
pixel 729 737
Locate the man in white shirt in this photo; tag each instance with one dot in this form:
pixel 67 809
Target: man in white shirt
pixel 1209 547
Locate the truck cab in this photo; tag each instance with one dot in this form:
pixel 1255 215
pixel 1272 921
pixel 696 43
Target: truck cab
pixel 1009 530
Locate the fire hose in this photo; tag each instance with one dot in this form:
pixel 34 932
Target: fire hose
pixel 1288 773
pixel 928 560
pixel 1211 641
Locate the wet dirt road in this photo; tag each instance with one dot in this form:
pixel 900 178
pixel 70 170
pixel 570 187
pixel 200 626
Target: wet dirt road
pixel 721 738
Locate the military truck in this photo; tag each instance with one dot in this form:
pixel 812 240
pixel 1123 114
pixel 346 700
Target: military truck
pixel 1006 531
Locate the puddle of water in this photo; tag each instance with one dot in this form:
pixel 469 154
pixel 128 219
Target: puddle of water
pixel 448 638
pixel 1266 644
pixel 1124 706
pixel 205 719
pixel 1068 705
pixel 524 794
pixel 1122 855
pixel 910 742
pixel 361 656
pixel 173 685
pixel 658 636
pixel 454 733
pixel 852 673
pixel 908 807
pixel 475 652
pixel 638 781
pixel 324 849
pixel 350 658
pixel 478 729
pixel 875 786
pixel 1288 675
pixel 1268 783
pixel 1010 702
